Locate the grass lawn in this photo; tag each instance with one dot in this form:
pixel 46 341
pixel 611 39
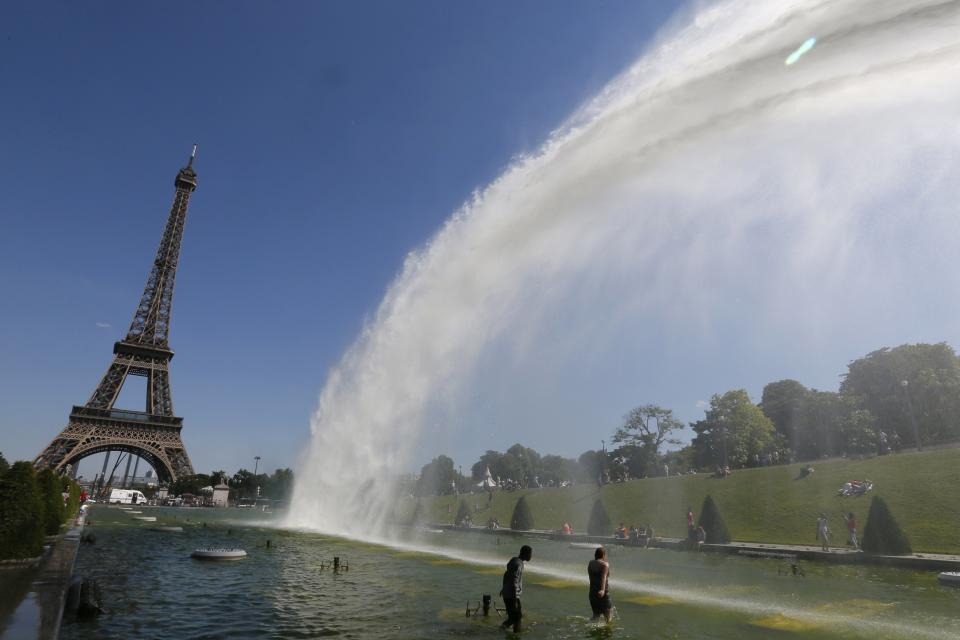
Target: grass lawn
pixel 759 505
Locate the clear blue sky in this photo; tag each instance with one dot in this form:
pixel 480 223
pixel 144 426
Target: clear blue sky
pixel 335 137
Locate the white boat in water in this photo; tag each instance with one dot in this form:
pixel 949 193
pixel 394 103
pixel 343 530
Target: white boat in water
pixel 145 518
pixel 218 554
pixel 951 578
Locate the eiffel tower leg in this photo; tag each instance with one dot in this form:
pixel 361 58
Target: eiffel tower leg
pixel 126 472
pixel 159 398
pixel 107 391
pixel 103 472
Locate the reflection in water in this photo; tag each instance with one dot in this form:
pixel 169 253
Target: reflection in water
pixel 152 588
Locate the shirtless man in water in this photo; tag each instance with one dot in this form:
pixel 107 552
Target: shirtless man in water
pixel 599 572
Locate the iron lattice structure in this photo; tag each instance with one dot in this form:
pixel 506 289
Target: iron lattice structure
pixel 152 434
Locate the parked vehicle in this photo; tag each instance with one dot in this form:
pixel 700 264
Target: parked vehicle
pixel 126 496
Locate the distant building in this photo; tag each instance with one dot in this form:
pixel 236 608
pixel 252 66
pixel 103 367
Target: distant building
pixel 220 494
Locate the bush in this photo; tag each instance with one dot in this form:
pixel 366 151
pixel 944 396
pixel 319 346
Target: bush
pixel 599 524
pixel 73 503
pixel 463 512
pixel 882 533
pixel 713 523
pixel 21 513
pixel 52 496
pixel 522 519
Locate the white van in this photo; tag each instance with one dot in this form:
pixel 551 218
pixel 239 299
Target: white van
pixel 126 496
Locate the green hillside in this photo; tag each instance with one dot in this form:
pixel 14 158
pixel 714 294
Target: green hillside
pixel 759 505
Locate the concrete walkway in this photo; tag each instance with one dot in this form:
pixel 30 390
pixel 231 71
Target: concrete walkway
pixel 839 555
pixel 41 610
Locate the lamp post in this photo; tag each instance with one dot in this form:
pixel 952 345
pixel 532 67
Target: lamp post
pixel 723 440
pixel 913 419
pixel 256 465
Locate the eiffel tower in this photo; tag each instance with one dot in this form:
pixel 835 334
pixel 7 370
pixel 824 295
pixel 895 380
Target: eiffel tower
pixel 152 434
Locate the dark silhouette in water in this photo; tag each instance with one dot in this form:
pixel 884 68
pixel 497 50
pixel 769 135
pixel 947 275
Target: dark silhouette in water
pixel 513 587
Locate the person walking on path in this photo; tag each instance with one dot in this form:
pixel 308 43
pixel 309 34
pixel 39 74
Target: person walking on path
pixel 513 587
pixel 851 521
pixel 823 532
pixel 691 527
pixel 598 570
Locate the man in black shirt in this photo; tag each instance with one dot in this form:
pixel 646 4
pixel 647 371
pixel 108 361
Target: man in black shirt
pixel 598 571
pixel 513 587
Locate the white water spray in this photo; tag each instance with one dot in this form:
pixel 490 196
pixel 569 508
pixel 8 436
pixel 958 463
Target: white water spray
pixel 711 190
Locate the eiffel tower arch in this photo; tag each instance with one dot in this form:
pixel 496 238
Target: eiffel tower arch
pixel 154 433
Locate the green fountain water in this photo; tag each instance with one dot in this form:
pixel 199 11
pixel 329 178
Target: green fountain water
pixel 420 589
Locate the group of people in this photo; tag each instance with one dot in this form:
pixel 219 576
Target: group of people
pixel 823 530
pixel 696 534
pixel 639 537
pixel 598 571
pixel 855 488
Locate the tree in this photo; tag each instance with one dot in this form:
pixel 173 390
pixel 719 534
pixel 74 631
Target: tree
pixel 681 459
pixel 818 423
pixel 784 402
pixel 51 494
pixel 733 431
pixel 599 523
pixel 557 469
pixel 713 523
pixel 644 430
pixel 522 518
pixel 190 484
pixel 528 461
pixel 279 485
pixel 591 465
pixel 437 477
pixel 4 465
pixel 490 460
pixel 21 513
pixel 858 432
pixel 913 390
pixel 882 533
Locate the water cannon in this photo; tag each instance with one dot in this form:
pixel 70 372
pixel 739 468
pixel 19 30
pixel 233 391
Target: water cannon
pixel 483 605
pixel 336 565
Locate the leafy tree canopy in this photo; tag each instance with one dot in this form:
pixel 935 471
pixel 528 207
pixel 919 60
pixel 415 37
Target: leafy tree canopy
pixel 910 387
pixel 733 431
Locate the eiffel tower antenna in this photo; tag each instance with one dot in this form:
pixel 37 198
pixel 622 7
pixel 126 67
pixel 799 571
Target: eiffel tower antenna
pixel 154 433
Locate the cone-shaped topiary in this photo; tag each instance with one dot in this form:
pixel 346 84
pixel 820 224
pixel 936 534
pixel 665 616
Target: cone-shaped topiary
pixel 712 522
pixel 21 518
pixel 882 533
pixel 52 497
pixel 599 524
pixel 463 512
pixel 522 519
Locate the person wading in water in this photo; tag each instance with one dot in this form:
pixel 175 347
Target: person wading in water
pixel 513 587
pixel 599 572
